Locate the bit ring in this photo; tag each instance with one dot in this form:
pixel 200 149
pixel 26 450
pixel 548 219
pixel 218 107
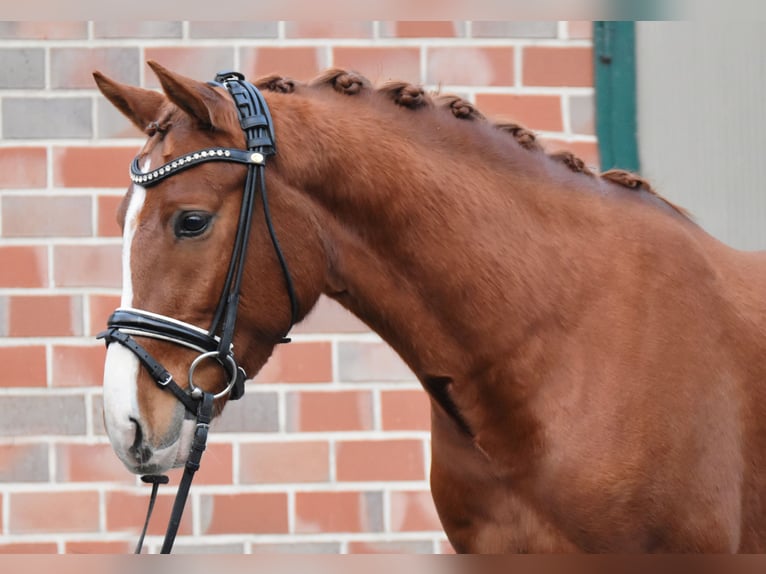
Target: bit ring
pixel 196 392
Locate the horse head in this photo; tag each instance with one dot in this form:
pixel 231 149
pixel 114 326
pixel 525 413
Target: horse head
pixel 196 206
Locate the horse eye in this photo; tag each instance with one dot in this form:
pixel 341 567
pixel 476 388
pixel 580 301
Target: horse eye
pixel 192 223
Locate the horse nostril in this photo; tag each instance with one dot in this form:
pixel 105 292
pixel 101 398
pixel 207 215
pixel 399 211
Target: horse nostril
pixel 140 453
pixel 139 434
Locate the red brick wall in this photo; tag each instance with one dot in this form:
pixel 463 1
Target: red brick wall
pixel 329 450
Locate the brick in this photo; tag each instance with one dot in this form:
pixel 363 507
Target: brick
pixel 380 64
pixel 514 29
pixel 582 111
pixel 413 511
pixel 329 316
pixel 98 547
pixel 29 548
pixel 391 547
pixel 255 412
pixel 23 463
pixel 568 66
pixel 217 466
pixel 296 548
pixel 101 306
pixel 251 513
pixel 284 462
pixel 110 123
pixel 33 30
pixel 467 66
pixel 405 410
pixel 149 30
pixel 4 316
pixel 380 460
pixel 47 118
pixel 362 361
pixel 42 415
pixel 87 265
pixel 298 363
pixel 329 411
pixel 301 63
pixel 47 216
pixel 92 166
pixel 23 167
pixel 78 365
pixel 97 414
pixel 23 266
pixel 44 316
pixel 422 29
pixel 53 512
pixel 23 366
pixel 73 67
pixel 324 29
pixel 580 29
pixel 106 216
pixel 533 112
pixel 90 463
pixel 587 151
pixel 197 548
pixel 126 511
pixel 195 62
pixel 234 29
pixel 22 68
pixel 338 512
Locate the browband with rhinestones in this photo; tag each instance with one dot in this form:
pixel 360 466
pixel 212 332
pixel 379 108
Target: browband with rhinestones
pixel 186 161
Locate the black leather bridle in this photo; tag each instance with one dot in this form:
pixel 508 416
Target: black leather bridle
pixel 214 343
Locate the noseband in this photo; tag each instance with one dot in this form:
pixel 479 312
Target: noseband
pixel 214 343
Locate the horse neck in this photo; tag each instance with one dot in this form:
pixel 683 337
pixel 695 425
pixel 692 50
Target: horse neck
pixel 447 256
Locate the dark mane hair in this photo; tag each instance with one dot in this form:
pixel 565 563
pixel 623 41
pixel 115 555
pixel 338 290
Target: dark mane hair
pixel 414 97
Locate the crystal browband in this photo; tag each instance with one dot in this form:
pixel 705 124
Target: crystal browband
pixel 192 159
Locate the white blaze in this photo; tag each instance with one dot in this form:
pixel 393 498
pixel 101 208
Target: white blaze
pixel 131 222
pixel 121 368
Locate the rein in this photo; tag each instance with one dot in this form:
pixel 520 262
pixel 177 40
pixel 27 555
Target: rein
pixel 214 343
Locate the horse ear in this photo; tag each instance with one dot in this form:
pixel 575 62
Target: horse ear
pixel 139 105
pixel 196 98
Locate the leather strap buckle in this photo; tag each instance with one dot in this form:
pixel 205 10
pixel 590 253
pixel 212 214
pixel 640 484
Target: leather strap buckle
pixel 225 75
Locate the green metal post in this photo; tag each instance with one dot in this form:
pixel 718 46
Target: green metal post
pixel 615 67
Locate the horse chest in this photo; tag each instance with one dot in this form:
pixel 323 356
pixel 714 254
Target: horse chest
pixel 481 512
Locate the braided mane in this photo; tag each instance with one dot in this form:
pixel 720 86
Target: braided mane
pixel 413 97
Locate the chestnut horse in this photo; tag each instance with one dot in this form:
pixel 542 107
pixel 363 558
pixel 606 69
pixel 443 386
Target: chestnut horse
pixel 595 361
